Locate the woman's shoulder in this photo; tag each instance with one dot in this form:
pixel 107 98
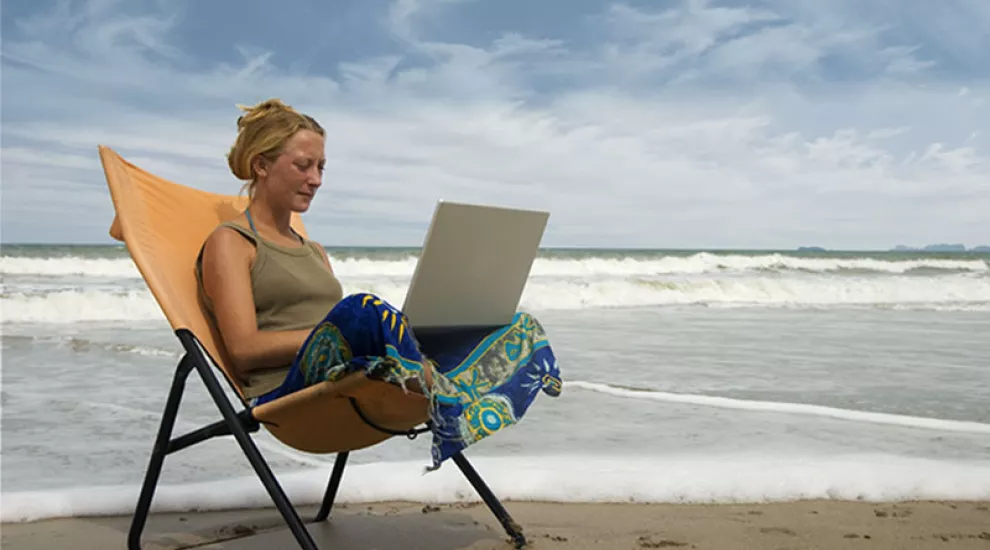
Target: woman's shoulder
pixel 317 250
pixel 230 239
pixel 232 231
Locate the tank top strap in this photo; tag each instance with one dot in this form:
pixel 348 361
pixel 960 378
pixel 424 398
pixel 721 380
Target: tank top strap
pixel 316 247
pixel 251 235
pixel 247 213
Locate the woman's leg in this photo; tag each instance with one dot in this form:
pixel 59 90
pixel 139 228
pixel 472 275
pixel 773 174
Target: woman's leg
pixel 488 384
pixel 361 333
pixel 476 388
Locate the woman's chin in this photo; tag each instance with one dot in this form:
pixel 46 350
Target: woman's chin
pixel 301 204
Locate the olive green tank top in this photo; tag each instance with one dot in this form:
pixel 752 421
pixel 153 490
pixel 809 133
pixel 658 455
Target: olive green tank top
pixel 293 289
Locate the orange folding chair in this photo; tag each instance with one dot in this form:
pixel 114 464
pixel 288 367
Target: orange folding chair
pixel 163 225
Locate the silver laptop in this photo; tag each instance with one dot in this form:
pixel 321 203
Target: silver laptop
pixel 473 266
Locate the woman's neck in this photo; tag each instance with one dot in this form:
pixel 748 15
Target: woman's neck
pixel 263 214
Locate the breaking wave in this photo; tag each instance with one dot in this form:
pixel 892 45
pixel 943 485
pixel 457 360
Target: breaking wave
pixel 699 263
pixel 959 292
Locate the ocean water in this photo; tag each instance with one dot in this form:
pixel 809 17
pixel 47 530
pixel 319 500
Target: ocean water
pixel 688 376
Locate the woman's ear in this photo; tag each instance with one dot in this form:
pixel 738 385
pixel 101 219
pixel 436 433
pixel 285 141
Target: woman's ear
pixel 260 166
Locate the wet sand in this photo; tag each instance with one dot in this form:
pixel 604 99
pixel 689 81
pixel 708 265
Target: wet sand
pixel 411 526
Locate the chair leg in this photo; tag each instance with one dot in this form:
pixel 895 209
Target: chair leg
pixel 254 456
pixel 511 527
pixel 331 494
pixel 158 454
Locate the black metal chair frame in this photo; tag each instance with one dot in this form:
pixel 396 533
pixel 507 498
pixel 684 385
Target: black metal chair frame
pixel 240 425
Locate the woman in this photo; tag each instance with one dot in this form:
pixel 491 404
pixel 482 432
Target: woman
pixel 286 323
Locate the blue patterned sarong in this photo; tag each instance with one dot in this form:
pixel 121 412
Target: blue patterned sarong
pixel 479 387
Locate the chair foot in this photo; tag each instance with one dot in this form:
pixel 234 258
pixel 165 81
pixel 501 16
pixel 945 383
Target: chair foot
pixel 332 486
pixel 511 527
pixel 159 451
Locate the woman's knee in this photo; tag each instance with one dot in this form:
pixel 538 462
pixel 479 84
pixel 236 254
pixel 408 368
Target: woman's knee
pixel 364 304
pixel 361 299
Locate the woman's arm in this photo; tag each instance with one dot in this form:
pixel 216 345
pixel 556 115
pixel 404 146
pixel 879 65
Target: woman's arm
pixel 227 258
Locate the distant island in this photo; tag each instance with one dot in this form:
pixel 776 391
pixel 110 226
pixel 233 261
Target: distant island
pixel 811 249
pixel 941 247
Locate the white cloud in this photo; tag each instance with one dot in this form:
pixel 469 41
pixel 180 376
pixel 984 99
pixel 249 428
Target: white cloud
pixel 700 125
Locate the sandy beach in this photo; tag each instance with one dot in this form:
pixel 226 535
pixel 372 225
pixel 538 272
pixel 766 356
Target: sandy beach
pixel 411 526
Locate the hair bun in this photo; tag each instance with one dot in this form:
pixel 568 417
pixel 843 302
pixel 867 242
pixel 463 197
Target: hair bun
pixel 260 110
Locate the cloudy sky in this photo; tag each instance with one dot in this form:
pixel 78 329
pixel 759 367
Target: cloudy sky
pixel 662 123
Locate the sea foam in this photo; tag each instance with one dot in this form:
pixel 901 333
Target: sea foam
pixel 906 421
pixel 959 292
pixel 70 289
pixel 707 478
pixel 693 264
pixel 72 306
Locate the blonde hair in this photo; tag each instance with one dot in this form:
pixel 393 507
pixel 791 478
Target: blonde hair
pixel 263 130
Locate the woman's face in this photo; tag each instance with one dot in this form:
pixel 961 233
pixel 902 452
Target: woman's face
pixel 292 180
